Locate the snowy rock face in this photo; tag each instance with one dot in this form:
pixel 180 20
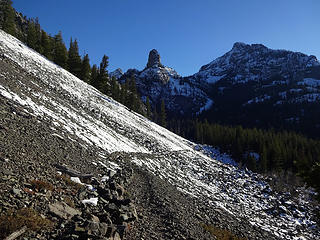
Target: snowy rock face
pixel 67 104
pixel 159 82
pixel 256 62
pixel 250 78
pixel 116 73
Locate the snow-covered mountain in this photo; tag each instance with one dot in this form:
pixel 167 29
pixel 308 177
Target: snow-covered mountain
pixel 159 82
pixel 253 85
pixel 116 73
pixel 67 104
pixel 236 83
pixel 255 62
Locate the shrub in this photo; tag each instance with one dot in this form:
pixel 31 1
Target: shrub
pixel 13 221
pixel 41 185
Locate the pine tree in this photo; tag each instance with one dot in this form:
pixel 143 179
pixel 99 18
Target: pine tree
pixel 103 76
pixel 37 26
pixel 115 90
pixel 155 115
pixel 60 53
pixel 148 108
pixel 263 160
pixel 74 59
pixel 163 117
pixel 94 81
pixel 133 102
pixel 8 17
pixel 46 45
pixel 85 69
pixel 123 93
pixel 32 35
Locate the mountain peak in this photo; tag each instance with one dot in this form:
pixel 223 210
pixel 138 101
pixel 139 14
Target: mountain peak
pixel 154 59
pixel 241 45
pixel 116 73
pixel 238 45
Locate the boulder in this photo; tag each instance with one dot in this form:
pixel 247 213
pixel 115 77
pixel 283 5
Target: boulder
pixel 63 210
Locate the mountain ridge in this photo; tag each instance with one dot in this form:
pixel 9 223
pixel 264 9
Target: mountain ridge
pixel 271 77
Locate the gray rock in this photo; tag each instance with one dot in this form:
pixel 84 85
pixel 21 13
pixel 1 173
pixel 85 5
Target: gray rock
pixel 17 192
pixel 154 59
pixel 62 210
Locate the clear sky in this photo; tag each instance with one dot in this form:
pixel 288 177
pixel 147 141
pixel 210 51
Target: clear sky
pixel 187 33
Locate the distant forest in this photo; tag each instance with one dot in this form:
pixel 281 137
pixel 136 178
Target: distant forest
pixel 263 151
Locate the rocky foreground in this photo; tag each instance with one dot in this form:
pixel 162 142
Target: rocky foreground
pixel 59 189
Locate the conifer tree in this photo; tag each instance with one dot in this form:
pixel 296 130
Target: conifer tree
pixel 133 101
pixel 74 59
pixel 163 117
pixel 103 77
pixel 115 90
pixel 148 108
pixel 155 115
pixel 124 99
pixel 38 35
pixel 8 17
pixel 60 53
pixel 94 81
pixel 263 160
pixel 46 45
pixel 85 69
pixel 32 35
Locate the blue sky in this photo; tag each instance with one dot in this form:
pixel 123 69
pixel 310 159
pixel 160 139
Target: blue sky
pixel 187 33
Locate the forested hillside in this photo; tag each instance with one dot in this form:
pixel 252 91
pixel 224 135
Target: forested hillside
pixel 263 151
pixel 54 49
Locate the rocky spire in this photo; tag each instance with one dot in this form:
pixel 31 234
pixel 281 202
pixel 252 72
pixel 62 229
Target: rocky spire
pixel 154 59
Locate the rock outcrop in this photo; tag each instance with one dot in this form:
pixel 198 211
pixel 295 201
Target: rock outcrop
pixel 154 59
pixel 159 82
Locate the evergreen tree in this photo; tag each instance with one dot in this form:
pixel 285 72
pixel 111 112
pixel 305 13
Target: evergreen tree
pixel 133 102
pixel 94 81
pixel 8 17
pixel 74 59
pixel 46 45
pixel 85 69
pixel 163 117
pixel 60 53
pixel 115 90
pixel 155 115
pixel 32 35
pixel 148 108
pixel 103 76
pixel 37 26
pixel 123 93
pixel 263 160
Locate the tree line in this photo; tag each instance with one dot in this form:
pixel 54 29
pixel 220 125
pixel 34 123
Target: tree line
pixel 263 151
pixel 55 50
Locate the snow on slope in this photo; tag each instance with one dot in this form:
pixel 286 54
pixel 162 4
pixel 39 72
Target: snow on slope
pixel 100 120
pixel 77 121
